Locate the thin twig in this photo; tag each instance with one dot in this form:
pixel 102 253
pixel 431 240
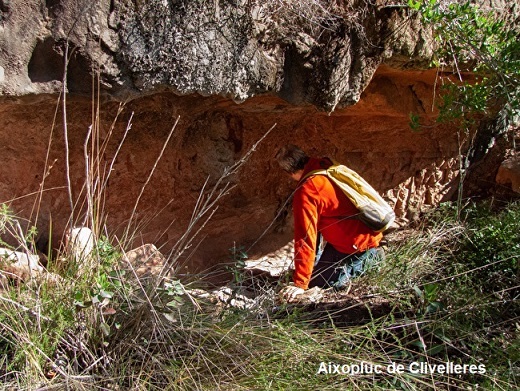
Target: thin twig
pixel 128 127
pixel 24 308
pixel 153 168
pixel 47 167
pixel 208 203
pixel 66 133
pixel 88 174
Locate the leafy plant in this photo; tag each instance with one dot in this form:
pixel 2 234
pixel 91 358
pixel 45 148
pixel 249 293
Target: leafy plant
pixel 491 245
pixel 238 259
pixel 481 41
pixel 174 291
pixel 428 299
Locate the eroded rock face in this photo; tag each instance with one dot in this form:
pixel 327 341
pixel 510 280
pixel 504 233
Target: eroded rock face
pixel 302 51
pixel 414 169
pixel 339 82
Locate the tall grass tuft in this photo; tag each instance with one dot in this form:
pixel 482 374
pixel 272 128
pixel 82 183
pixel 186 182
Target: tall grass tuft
pixel 118 336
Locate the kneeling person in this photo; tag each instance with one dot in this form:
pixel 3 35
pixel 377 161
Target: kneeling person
pixel 320 208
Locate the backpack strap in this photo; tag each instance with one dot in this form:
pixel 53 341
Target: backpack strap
pixel 324 172
pixel 315 172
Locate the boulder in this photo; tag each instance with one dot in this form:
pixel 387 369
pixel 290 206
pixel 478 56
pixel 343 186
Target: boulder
pixel 79 245
pixel 145 262
pixel 18 265
pixel 509 173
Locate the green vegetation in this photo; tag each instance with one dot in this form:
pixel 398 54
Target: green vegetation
pixel 481 49
pixel 449 289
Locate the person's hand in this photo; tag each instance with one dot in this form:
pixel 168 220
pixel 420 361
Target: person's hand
pixel 291 292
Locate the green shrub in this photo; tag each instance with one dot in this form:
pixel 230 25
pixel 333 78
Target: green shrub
pixel 492 244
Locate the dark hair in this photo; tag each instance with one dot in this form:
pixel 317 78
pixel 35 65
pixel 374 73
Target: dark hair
pixel 291 158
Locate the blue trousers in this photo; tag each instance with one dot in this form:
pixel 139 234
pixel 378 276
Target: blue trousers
pixel 336 269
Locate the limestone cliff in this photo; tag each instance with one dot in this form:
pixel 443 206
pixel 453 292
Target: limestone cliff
pixel 308 51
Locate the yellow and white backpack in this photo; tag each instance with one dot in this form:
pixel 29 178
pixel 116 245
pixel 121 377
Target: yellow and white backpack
pixel 374 211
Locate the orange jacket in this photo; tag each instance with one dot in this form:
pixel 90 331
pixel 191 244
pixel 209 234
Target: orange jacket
pixel 320 206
